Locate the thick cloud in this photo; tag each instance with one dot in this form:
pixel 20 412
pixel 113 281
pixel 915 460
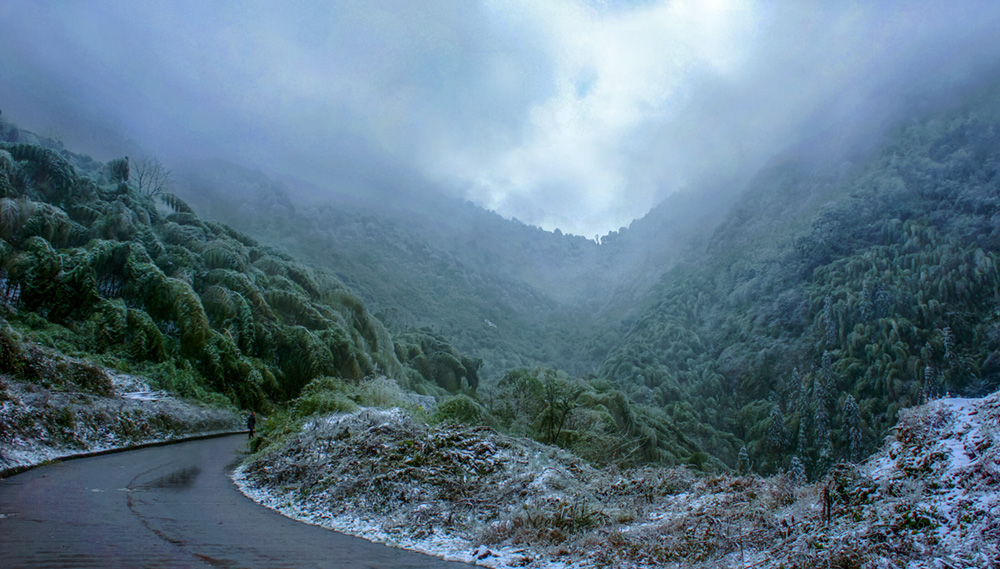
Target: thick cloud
pixel 571 114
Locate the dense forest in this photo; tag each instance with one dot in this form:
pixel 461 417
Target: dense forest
pixel 98 262
pixel 831 297
pixel 783 332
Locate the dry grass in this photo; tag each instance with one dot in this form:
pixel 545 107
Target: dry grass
pixel 900 509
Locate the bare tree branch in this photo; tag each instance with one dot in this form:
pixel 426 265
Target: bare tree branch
pixel 150 176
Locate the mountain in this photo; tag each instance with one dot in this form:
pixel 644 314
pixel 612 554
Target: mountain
pixel 832 296
pixel 777 321
pixel 499 290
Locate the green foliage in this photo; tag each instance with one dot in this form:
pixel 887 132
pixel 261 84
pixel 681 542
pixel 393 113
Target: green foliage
pixel 118 170
pixel 436 361
pixel 6 171
pixel 325 395
pixel 177 297
pixel 461 410
pixel 175 203
pixel 590 418
pixel 51 177
pixel 877 279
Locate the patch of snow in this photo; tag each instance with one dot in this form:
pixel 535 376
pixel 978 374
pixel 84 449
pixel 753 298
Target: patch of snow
pixel 41 425
pixel 125 383
pixel 928 498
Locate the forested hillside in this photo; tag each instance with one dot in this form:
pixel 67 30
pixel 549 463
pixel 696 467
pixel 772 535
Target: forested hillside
pixel 831 297
pixel 785 331
pixel 101 265
pixel 98 263
pixel 501 291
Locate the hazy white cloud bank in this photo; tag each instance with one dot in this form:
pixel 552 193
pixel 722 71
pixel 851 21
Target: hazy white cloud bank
pixel 571 114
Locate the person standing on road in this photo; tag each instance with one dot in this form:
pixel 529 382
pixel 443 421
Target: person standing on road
pixel 252 422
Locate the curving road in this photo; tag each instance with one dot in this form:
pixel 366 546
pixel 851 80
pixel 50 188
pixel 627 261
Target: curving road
pixel 171 507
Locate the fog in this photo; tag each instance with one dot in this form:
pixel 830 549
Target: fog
pixel 565 114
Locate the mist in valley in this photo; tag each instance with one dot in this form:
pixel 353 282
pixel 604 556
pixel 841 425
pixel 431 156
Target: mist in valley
pixel 696 209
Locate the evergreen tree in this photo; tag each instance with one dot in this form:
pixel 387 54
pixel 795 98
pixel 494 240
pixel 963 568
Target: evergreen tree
pixel 866 308
pixel 883 301
pixel 743 462
pixel 797 470
pixel 802 402
pixel 949 344
pixel 930 383
pixel 822 394
pixel 829 322
pixel 776 431
pixel 852 428
pixel 826 377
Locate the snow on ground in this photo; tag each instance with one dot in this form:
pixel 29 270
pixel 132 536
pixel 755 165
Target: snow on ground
pixel 946 454
pixel 928 499
pixel 439 543
pixel 39 424
pixel 54 406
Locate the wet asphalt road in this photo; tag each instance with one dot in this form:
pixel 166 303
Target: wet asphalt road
pixel 171 507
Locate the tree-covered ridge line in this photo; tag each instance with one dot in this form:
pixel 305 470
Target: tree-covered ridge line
pixel 91 264
pixel 501 291
pixel 831 299
pixel 95 267
pixel 413 272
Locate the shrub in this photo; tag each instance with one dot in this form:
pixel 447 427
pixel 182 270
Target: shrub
pixel 460 409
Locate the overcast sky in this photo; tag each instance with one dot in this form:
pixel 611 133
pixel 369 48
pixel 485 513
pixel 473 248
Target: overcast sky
pixel 573 114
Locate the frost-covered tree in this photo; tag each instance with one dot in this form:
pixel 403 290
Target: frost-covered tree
pixel 852 428
pixel 822 395
pixel 866 308
pixel 118 170
pixel 743 462
pixel 776 431
pixel 830 325
pixel 151 177
pixel 930 383
pixel 883 301
pixel 949 344
pixel 802 400
pixel 797 470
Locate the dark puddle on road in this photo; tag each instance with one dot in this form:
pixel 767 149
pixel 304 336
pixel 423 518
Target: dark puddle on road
pixel 183 478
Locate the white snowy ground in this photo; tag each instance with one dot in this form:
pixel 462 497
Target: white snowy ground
pixel 39 424
pixel 945 460
pixel 927 499
pixel 441 541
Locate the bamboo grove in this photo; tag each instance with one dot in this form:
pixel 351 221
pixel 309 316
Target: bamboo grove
pixel 93 265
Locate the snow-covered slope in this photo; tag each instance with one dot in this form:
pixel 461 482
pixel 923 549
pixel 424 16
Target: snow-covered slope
pixel 941 473
pixel 75 407
pixel 928 498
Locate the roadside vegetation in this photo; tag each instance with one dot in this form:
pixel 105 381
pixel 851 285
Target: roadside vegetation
pixel 925 499
pixel 53 406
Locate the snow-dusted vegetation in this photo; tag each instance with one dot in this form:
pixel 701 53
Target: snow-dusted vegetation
pixel 928 498
pixel 71 406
